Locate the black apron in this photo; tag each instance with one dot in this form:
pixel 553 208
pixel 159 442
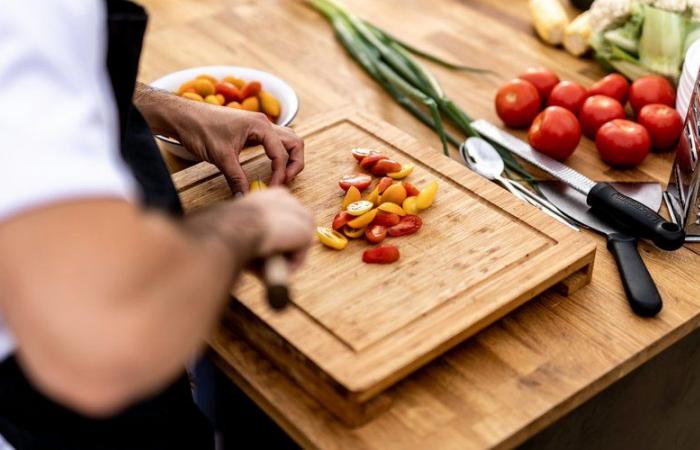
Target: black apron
pixel 170 419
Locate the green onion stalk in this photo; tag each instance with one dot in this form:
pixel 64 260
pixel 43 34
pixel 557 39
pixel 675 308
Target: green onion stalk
pixel 390 63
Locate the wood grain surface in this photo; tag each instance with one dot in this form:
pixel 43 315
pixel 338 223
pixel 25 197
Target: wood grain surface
pixel 524 372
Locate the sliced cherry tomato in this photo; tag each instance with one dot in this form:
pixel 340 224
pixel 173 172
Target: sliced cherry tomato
pixel 663 123
pixel 341 219
pixel 375 233
pixel 543 79
pixel 385 166
pixel 427 195
pixel 359 207
pixel 395 193
pixel 517 103
pixel 569 95
pixel 359 153
pixel 409 224
pixel 363 220
pixel 257 185
pixel 386 219
pixel 373 196
pixel 360 180
pixel 405 171
pixel 614 86
pixel 410 205
pixel 353 233
pixel 384 183
pixel 383 254
pixel 411 190
pixel 651 89
pixel 351 196
pixel 623 143
pixel 392 208
pixel 331 238
pixel 228 90
pixel 555 132
pixel 370 160
pixel 598 110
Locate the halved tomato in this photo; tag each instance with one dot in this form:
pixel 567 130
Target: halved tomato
pixel 386 219
pixel 359 153
pixel 375 233
pixel 384 183
pixel 409 224
pixel 411 190
pixel 360 180
pixel 340 219
pixel 370 160
pixel 383 254
pixel 385 166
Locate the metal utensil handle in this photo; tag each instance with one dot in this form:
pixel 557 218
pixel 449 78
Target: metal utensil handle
pixel 546 207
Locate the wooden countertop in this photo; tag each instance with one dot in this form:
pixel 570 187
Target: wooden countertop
pixel 529 369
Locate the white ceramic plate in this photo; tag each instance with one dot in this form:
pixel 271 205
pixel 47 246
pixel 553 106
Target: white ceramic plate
pixel 289 103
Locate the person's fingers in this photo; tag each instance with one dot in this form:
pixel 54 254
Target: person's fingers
pixel 274 149
pixel 234 174
pixel 295 148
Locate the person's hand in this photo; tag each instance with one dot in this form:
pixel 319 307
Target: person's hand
pixel 286 226
pixel 217 135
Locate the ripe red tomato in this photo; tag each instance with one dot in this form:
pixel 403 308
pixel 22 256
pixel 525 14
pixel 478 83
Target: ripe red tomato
pixel 250 90
pixel 228 90
pixel 598 110
pixel 360 153
pixel 384 166
pixel 386 219
pixel 614 86
pixel 360 180
pixel 411 190
pixel 622 142
pixel 341 219
pixel 370 160
pixel 555 132
pixel 663 123
pixel 569 95
pixel 383 254
pixel 375 233
pixel 517 103
pixel 543 79
pixel 409 224
pixel 651 89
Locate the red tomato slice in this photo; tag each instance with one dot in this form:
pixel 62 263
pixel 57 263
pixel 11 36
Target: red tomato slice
pixel 370 160
pixel 383 254
pixel 341 219
pixel 384 166
pixel 360 153
pixel 411 190
pixel 386 219
pixel 409 224
pixel 360 180
pixel 384 183
pixel 375 233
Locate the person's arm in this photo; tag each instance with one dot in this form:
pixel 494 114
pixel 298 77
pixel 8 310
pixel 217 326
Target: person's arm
pixel 108 303
pixel 217 135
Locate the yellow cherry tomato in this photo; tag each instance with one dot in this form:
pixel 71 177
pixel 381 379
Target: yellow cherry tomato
pixel 212 100
pixel 353 233
pixel 351 196
pixel 235 81
pixel 373 196
pixel 206 76
pixel 193 96
pixel 257 185
pixel 395 193
pixel 360 207
pixel 331 238
pixel 204 87
pixel 427 195
pixel 363 220
pixel 234 105
pixel 409 205
pixel 405 171
pixel 392 208
pixel 221 98
pixel 185 87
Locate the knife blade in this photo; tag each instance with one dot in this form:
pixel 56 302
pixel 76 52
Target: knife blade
pixel 642 293
pixel 617 208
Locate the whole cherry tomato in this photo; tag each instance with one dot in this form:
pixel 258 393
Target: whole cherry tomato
pixel 386 219
pixel 598 110
pixel 614 86
pixel 251 89
pixel 370 160
pixel 663 123
pixel 622 142
pixel 569 95
pixel 555 132
pixel 651 89
pixel 228 90
pixel 411 190
pixel 384 166
pixel 375 233
pixel 360 180
pixel 383 254
pixel 543 79
pixel 341 219
pixel 409 224
pixel 517 103
pixel 384 183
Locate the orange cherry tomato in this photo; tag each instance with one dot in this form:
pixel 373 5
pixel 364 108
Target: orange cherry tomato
pixel 375 233
pixel 352 195
pixel 370 160
pixel 395 193
pixel 251 89
pixel 360 153
pixel 341 219
pixel 204 87
pixel 386 219
pixel 409 224
pixel 228 90
pixel 383 254
pixel 385 166
pixel 384 183
pixel 411 190
pixel 360 180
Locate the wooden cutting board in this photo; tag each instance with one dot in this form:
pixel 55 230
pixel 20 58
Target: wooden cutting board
pixel 355 329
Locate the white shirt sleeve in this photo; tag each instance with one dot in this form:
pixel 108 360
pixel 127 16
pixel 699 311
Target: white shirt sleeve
pixel 58 119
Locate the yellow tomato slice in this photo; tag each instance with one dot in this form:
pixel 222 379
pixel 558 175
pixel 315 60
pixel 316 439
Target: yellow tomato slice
pixel 257 185
pixel 351 196
pixel 392 208
pixel 359 207
pixel 396 193
pixel 353 233
pixel 373 196
pixel 363 220
pixel 427 195
pixel 409 205
pixel 405 171
pixel 331 238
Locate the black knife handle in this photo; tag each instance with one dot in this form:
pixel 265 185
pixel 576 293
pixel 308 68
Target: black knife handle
pixel 640 288
pixel 634 217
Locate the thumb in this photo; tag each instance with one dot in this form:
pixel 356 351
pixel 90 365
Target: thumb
pixel 235 176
